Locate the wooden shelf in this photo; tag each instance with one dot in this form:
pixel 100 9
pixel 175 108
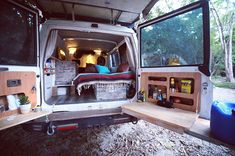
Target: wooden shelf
pixel 195 96
pixel 9 112
pixel 158 83
pixel 17 119
pixel 182 95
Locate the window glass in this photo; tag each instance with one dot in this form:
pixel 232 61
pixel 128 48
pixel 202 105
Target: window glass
pixel 122 53
pixel 115 59
pixel 175 41
pixel 18 35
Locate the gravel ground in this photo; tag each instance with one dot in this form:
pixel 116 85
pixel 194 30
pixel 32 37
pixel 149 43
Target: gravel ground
pixel 125 139
pixel 223 94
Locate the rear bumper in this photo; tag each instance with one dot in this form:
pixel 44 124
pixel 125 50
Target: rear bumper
pixel 77 120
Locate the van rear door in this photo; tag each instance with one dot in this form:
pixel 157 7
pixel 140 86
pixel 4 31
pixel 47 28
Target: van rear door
pixel 19 62
pixel 173 65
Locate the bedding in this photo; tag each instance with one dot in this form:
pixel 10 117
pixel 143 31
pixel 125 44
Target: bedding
pixel 86 80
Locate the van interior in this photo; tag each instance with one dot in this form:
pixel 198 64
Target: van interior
pixel 87 67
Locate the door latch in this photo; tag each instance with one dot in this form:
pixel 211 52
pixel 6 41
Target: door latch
pixel 33 90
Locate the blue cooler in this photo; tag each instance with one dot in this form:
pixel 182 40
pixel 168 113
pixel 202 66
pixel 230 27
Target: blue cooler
pixel 222 122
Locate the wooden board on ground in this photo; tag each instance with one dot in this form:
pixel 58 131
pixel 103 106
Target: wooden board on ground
pixel 17 119
pixel 171 118
pixel 201 129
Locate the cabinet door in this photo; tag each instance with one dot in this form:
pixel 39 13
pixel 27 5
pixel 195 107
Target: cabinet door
pixel 175 45
pixel 19 60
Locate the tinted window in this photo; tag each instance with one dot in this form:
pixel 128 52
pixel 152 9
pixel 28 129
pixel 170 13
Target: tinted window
pixel 18 35
pixel 175 41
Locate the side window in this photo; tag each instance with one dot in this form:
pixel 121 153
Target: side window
pixel 115 59
pixel 18 35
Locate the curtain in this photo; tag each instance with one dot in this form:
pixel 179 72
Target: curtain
pixel 51 44
pixel 130 54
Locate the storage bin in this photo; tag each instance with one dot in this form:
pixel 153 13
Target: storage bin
pixel 222 122
pixel 110 91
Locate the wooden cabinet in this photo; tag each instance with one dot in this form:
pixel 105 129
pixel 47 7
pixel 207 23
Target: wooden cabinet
pixel 17 83
pixel 63 90
pixel 187 99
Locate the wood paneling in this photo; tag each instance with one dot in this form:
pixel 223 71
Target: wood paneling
pixel 192 75
pixel 28 81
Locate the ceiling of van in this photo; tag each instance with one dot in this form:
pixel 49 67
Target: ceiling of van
pixel 89 40
pixel 124 12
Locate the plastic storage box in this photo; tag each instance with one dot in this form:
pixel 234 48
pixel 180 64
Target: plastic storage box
pixel 222 122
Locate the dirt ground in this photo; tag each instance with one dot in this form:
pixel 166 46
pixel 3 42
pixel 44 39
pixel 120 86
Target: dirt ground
pixel 223 94
pixel 125 139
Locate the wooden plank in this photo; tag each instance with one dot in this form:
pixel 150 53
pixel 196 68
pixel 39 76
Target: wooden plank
pixel 160 83
pixel 14 120
pixel 201 129
pixel 83 114
pixel 183 95
pixel 9 112
pixel 174 119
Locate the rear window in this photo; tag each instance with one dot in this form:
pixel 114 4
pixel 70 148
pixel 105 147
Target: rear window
pixel 18 35
pixel 176 41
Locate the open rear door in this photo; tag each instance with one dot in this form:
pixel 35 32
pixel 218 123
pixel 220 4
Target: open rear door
pixel 19 62
pixel 174 64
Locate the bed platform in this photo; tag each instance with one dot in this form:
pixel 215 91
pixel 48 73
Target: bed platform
pixel 106 86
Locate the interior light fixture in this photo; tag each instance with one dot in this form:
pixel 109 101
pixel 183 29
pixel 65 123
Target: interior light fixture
pixel 62 52
pixel 97 51
pixel 72 50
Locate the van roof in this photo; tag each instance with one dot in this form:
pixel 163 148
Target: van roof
pixel 124 12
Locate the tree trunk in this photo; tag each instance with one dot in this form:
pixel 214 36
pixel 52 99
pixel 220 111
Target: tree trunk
pixel 230 76
pixel 226 46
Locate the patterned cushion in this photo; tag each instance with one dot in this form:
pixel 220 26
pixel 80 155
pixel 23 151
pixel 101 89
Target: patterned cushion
pixel 123 68
pixel 102 69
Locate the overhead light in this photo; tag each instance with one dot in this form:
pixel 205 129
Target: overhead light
pixel 62 52
pixel 97 51
pixel 72 50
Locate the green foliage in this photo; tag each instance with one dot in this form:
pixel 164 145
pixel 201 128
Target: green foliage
pixel 219 81
pixel 229 85
pixel 24 99
pixel 225 8
pixel 165 6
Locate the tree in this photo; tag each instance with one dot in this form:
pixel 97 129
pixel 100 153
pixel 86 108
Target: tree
pixel 225 23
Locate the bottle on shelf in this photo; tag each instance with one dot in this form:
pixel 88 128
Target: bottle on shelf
pixel 172 84
pixel 159 96
pixel 155 93
pixel 141 96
